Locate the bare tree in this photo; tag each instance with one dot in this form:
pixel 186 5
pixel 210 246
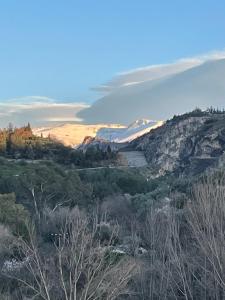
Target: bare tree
pixel 153 280
pixel 165 272
pixel 179 257
pixel 79 266
pixel 207 220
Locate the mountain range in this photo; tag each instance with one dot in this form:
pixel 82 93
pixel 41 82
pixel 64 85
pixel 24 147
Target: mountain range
pixel 74 134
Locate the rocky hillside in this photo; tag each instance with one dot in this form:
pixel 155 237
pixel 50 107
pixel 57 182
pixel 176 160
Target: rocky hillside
pixel 187 144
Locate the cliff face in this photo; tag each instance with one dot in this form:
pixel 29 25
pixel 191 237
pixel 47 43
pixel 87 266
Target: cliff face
pixel 185 144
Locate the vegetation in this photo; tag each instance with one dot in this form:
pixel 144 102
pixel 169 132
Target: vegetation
pixel 197 112
pixel 20 143
pixel 13 215
pixel 73 233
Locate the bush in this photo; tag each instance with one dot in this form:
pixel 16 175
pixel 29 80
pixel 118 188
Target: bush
pixel 13 215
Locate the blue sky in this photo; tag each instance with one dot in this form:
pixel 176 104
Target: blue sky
pixel 60 49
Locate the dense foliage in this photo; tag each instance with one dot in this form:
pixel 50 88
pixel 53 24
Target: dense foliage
pixel 21 143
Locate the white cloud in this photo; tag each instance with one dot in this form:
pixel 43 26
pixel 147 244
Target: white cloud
pixel 153 72
pixel 38 110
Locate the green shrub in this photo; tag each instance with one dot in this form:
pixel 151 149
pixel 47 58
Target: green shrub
pixel 12 214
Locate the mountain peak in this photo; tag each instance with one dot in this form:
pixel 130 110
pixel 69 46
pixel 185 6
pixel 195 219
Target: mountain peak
pixel 140 122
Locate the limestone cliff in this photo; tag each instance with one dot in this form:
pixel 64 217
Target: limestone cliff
pixel 187 144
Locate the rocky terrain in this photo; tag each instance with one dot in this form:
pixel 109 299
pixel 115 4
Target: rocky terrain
pixel 187 144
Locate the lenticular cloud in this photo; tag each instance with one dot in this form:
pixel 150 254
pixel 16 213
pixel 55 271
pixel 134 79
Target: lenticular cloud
pixel 40 111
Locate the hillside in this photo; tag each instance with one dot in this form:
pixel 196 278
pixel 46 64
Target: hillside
pixel 200 86
pixel 188 144
pixel 142 220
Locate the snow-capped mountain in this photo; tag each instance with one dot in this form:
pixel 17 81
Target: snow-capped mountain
pixel 123 135
pixel 73 134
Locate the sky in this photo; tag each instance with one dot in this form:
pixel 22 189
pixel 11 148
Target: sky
pixel 62 49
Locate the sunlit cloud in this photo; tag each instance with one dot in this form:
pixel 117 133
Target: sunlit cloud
pixel 38 110
pixel 160 91
pixel 154 72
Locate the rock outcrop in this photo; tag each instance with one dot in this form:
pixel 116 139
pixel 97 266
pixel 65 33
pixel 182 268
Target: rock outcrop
pixel 187 144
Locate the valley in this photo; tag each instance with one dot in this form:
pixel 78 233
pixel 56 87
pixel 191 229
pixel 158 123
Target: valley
pixel 112 150
pixel 124 203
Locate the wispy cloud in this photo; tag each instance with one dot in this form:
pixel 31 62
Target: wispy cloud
pixel 153 72
pixel 38 110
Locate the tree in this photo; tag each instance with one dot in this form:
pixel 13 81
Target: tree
pixel 79 266
pixel 12 214
pixel 207 221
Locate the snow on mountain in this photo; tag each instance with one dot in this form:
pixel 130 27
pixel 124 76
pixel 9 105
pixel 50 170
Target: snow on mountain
pixel 73 134
pixel 123 135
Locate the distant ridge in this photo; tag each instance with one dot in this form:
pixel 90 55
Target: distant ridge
pixel 133 131
pixel 75 134
pixel 72 134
